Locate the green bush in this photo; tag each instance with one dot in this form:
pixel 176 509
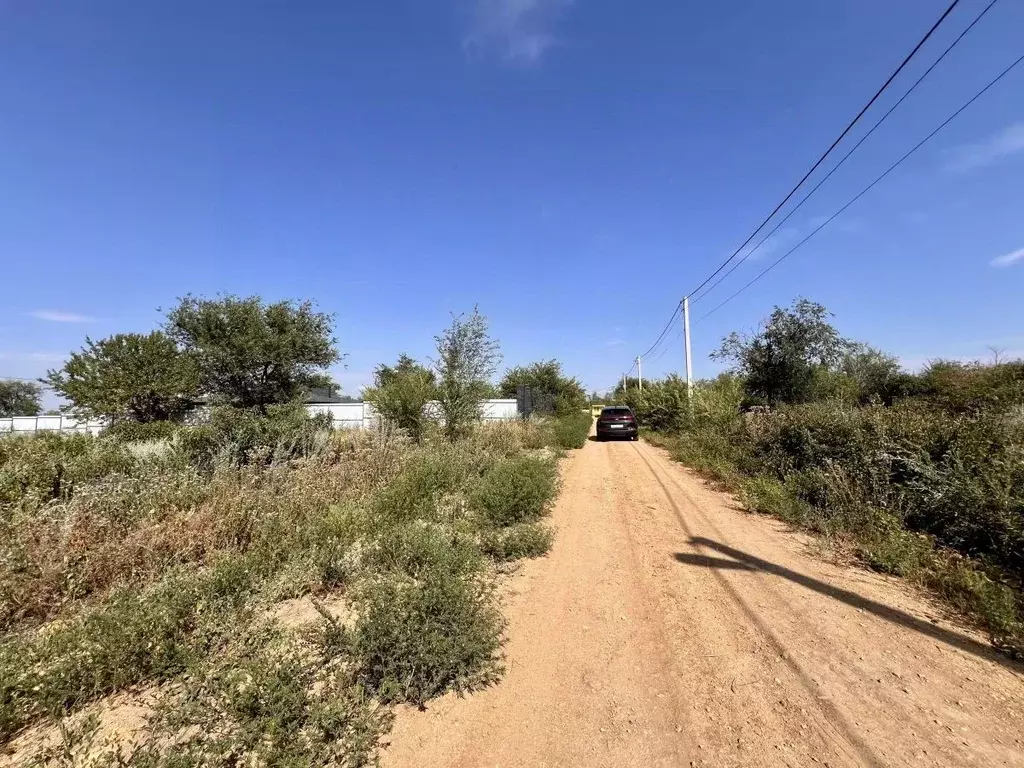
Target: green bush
pixel 417 639
pixel 245 435
pixel 517 541
pixel 970 387
pixel 419 548
pixel 137 431
pixel 271 703
pixel 516 490
pixel 911 485
pixel 958 478
pixel 132 637
pixel 48 465
pixel 416 490
pixel 571 431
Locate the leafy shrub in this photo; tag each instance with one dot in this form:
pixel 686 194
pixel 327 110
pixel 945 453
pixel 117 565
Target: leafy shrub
pixel 400 394
pixel 418 548
pixel 516 490
pixel 962 387
pixel 975 591
pixel 887 546
pixel 49 465
pixel 662 405
pixel 110 531
pixel 517 541
pixel 769 496
pixel 914 486
pixel 137 431
pixel 571 431
pixel 244 435
pixel 417 639
pixel 422 481
pixel 134 636
pixel 272 704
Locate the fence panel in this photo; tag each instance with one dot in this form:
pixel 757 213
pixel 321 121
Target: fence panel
pixel 344 416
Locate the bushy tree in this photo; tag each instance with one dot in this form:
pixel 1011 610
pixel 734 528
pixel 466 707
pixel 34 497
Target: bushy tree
pixel 400 394
pixel 963 387
pixel 467 358
pixel 663 405
pixel 20 398
pixel 129 376
pixel 251 354
pixel 791 358
pixel 874 373
pixel 619 393
pixel 545 377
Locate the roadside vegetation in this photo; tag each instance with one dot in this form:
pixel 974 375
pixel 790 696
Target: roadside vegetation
pixel 919 475
pixel 152 561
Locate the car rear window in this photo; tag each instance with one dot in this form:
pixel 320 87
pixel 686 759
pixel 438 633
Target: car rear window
pixel 616 412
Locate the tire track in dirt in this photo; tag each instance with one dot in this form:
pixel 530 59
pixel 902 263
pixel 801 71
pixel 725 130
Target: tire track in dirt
pixel 832 725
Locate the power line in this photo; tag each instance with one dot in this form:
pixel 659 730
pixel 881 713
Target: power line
pixel 835 168
pixel 835 143
pixel 675 337
pixel 864 191
pixel 663 332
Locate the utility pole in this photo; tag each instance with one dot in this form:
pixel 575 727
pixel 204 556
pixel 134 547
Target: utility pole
pixel 640 373
pixel 686 346
pixel 623 383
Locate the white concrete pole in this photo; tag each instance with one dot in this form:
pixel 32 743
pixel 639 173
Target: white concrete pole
pixel 686 346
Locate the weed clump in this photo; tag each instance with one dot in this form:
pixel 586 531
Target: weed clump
pixel 417 638
pixel 525 540
pixel 571 431
pixel 516 490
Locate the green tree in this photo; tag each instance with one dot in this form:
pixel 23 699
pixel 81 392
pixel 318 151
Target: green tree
pixel 129 376
pixel 620 391
pixel 791 358
pixel 400 394
pixel 251 354
pixel 545 377
pixel 873 372
pixel 20 398
pixel 960 387
pixel 467 358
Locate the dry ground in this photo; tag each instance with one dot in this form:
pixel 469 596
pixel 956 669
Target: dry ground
pixel 667 627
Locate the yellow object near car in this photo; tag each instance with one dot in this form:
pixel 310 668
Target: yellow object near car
pixel 595 410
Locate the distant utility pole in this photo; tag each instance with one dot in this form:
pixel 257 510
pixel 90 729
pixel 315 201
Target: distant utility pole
pixel 623 383
pixel 640 373
pixel 686 346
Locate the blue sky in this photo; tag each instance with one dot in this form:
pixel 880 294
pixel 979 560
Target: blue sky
pixel 571 167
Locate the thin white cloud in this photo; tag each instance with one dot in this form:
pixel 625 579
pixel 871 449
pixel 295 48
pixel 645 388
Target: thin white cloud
pixel 518 31
pixel 1008 141
pixel 1008 259
pixel 616 342
pixel 58 316
pixel 784 237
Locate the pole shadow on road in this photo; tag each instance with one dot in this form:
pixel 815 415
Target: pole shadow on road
pixel 742 561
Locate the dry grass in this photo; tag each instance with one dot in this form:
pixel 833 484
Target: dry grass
pixel 288 573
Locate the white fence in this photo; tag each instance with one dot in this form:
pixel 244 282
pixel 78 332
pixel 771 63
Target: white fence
pixel 23 425
pixel 344 415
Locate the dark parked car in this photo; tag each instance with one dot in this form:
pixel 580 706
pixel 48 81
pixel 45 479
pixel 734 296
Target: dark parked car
pixel 616 421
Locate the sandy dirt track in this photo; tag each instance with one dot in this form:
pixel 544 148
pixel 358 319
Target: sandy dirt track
pixel 667 627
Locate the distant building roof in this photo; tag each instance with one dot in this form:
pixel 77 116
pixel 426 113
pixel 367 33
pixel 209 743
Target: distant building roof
pixel 325 396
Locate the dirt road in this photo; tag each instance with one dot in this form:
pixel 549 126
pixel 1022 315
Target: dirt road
pixel 669 628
